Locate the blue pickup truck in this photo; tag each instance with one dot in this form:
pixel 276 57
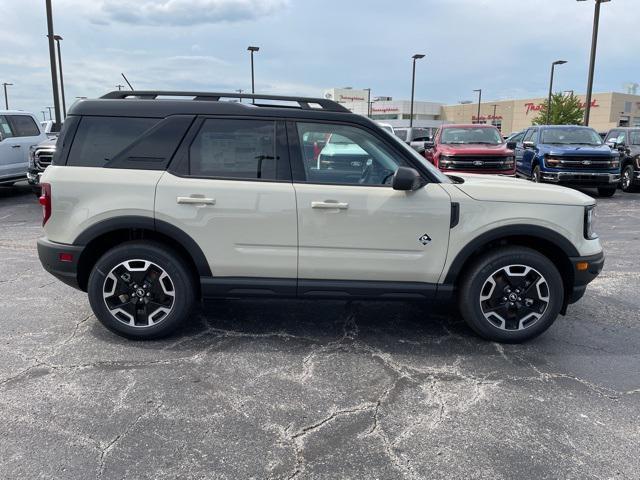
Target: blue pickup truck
pixel 568 155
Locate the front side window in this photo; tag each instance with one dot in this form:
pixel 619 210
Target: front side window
pixel 488 136
pixel 24 126
pixel 517 138
pixel 571 136
pixel 349 155
pixel 5 128
pixel 616 136
pixel 242 149
pixel 528 136
pixel 99 139
pixel 634 137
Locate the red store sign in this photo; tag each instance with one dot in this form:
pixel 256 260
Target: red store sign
pixel 532 107
pixel 384 110
pixel 487 117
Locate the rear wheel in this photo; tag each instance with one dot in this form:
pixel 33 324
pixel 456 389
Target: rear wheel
pixel 511 295
pixel 626 182
pixel 607 191
pixel 141 290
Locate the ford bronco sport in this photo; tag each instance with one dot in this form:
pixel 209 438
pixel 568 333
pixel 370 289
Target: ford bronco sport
pixel 153 203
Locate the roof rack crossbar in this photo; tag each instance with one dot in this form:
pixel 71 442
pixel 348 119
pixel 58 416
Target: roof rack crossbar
pixel 305 103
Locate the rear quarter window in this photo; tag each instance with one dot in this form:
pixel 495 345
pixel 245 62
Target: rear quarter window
pixel 99 139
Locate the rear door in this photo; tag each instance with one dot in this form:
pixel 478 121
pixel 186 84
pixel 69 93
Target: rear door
pixel 10 150
pixel 229 188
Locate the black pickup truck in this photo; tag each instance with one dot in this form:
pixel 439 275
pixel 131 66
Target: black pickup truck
pixel 627 141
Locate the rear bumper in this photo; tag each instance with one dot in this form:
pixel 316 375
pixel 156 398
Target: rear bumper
pixel 50 254
pixel 581 178
pixel 582 277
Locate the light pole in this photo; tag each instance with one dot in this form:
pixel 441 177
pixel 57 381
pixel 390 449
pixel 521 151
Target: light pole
pixel 493 120
pixel 49 108
pixel 240 92
pixel 368 102
pixel 44 115
pixel 479 90
pixel 553 65
pixel 57 38
pixel 592 59
pixel 52 61
pixel 119 87
pixel 253 85
pixel 417 56
pixel 6 97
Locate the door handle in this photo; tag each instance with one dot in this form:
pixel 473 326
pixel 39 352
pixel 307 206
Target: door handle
pixel 329 204
pixel 15 146
pixel 195 200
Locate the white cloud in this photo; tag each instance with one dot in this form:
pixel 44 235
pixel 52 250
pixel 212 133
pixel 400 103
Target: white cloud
pixel 189 12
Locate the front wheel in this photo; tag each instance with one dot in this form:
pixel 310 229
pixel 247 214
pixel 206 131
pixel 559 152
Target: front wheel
pixel 535 174
pixel 141 290
pixel 511 295
pixel 607 191
pixel 626 183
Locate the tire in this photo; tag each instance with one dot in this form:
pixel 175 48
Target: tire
pixel 607 191
pixel 520 318
pixel 535 174
pixel 141 274
pixel 626 181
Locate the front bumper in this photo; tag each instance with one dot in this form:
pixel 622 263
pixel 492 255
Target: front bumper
pixel 60 260
pixel 581 178
pixel 585 270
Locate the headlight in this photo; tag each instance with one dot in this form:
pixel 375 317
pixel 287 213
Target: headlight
pixel 589 219
pixel 614 163
pixel 508 161
pixel 552 161
pixel 32 157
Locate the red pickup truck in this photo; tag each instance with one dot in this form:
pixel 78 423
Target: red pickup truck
pixel 471 149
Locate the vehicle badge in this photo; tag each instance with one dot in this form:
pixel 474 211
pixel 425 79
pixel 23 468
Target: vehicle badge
pixel 424 239
pixel 586 162
pixel 478 163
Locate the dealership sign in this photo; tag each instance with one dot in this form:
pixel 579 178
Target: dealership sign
pixel 385 109
pixel 533 107
pixel 487 117
pixel 345 98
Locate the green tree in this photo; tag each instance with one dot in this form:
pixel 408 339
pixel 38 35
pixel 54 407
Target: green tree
pixel 565 110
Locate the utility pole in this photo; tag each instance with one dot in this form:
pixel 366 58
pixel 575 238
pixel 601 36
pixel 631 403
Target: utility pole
pixel 368 102
pixel 6 97
pixel 479 90
pixel 52 61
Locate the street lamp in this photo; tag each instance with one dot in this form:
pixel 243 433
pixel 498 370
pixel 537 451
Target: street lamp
pixel 49 108
pixel 44 115
pixel 493 120
pixel 553 65
pixel 592 60
pixel 52 61
pixel 479 90
pixel 417 56
pixel 368 102
pixel 253 85
pixel 57 38
pixel 6 98
pixel 119 87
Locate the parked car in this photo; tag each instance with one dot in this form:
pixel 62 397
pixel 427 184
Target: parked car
pixel 387 126
pixel 40 157
pixel 152 204
pixel 19 131
pixel 477 148
pixel 568 155
pixel 627 142
pixel 415 137
pixel 47 127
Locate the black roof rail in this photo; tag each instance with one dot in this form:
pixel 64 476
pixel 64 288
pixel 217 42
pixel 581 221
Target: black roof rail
pixel 305 103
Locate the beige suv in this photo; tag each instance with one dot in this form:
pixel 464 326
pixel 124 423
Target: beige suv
pixel 154 203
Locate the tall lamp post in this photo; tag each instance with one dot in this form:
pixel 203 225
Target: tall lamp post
pixel 553 65
pixel 417 56
pixel 6 97
pixel 368 102
pixel 592 59
pixel 493 120
pixel 52 61
pixel 49 108
pixel 44 114
pixel 479 90
pixel 57 38
pixel 253 85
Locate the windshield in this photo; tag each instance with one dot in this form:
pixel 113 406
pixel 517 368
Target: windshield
pixel 489 136
pixel 442 178
pixel 571 136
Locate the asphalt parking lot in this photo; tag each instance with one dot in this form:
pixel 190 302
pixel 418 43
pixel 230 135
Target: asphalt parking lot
pixel 293 389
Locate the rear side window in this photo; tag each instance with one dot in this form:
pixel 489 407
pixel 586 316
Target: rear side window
pixel 5 128
pixel 24 126
pixel 99 139
pixel 243 149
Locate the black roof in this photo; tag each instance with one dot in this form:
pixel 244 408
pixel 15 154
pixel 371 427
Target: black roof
pixel 160 104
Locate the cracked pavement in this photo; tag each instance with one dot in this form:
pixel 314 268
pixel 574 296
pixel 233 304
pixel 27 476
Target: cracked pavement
pixel 286 389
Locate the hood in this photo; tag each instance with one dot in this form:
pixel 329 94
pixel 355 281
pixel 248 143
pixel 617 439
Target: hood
pixel 51 142
pixel 603 150
pixel 474 149
pixel 493 188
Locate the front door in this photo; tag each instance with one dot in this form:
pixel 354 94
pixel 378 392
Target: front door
pixel 352 225
pixel 235 198
pixel 10 151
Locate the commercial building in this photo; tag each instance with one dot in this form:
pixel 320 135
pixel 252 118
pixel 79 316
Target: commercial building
pixel 608 110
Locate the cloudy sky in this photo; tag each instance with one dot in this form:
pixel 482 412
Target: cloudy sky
pixel 502 46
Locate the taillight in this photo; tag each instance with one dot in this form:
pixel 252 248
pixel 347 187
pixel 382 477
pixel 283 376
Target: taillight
pixel 45 201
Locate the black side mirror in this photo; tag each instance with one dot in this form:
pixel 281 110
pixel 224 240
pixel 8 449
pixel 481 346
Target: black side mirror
pixel 407 179
pixel 528 144
pixel 512 145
